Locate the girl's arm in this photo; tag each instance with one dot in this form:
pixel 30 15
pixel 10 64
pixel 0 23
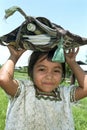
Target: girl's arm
pixel 7 81
pixel 80 75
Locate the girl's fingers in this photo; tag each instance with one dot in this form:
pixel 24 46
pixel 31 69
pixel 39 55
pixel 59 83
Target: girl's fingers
pixel 73 50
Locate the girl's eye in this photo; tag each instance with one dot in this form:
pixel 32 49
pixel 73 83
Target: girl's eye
pixel 57 71
pixel 41 69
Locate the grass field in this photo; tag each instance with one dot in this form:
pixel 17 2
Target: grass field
pixel 79 110
pixel 80 115
pixel 3 106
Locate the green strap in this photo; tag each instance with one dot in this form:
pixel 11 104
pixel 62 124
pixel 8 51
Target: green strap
pixel 59 53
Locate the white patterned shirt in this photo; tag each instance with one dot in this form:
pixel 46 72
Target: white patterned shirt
pixel 27 112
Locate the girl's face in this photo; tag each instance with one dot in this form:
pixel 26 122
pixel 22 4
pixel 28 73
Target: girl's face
pixel 47 75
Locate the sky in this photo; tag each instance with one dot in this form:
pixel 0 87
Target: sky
pixel 70 14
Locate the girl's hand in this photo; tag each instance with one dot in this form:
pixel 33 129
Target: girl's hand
pixel 15 53
pixel 71 55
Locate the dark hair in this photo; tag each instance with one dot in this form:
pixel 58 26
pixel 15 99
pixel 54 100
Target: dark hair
pixel 36 55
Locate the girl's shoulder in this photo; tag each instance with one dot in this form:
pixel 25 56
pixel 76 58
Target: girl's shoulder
pixel 25 82
pixel 23 86
pixel 67 92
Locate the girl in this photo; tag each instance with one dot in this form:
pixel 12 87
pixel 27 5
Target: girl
pixel 41 103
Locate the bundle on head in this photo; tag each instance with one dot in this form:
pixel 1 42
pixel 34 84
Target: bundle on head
pixel 39 33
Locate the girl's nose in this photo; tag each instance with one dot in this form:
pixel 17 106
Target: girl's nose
pixel 49 75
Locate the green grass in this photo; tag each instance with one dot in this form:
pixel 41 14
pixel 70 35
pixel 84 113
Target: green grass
pixel 79 110
pixel 80 115
pixel 20 75
pixel 3 107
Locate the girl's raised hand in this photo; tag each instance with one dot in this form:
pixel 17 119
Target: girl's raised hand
pixel 71 55
pixel 15 53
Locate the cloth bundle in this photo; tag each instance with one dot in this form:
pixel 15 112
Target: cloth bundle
pixel 39 33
